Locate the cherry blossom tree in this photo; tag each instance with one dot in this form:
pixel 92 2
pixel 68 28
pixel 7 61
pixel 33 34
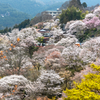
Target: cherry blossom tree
pixel 68 24
pixel 4 41
pixel 57 35
pixel 51 24
pixel 39 56
pixel 69 41
pixel 48 84
pixel 14 86
pixel 14 55
pixel 72 59
pixel 90 16
pixel 92 23
pixel 97 11
pixel 77 27
pixel 15 59
pixel 90 50
pixel 54 60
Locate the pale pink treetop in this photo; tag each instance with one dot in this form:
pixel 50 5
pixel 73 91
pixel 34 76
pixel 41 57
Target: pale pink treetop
pixel 92 23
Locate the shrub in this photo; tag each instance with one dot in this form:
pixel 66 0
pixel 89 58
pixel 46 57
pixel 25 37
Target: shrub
pixel 40 39
pixel 88 89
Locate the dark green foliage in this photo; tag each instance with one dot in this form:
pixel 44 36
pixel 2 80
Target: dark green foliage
pixel 32 49
pixel 73 70
pixel 72 13
pixel 84 4
pixel 61 26
pixel 88 34
pixel 5 30
pixel 23 24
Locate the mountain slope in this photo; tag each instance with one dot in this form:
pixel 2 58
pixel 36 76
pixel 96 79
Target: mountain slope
pixel 27 6
pixel 54 6
pixel 71 3
pixel 9 16
pixel 33 7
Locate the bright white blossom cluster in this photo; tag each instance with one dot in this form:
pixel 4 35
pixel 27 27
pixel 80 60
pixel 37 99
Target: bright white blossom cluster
pixel 57 34
pixel 16 85
pixel 71 55
pixel 50 24
pixel 68 24
pixel 90 16
pixel 90 50
pixel 27 36
pixel 3 41
pixel 97 11
pixel 76 27
pixel 48 83
pixel 66 42
pixel 12 86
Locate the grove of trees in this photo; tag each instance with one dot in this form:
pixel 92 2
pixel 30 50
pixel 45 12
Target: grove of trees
pixel 71 13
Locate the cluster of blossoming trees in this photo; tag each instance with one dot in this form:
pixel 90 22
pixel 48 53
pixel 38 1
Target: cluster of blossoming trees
pixel 54 63
pixel 85 28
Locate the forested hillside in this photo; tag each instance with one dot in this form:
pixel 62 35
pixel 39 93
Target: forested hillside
pixel 33 7
pixel 9 16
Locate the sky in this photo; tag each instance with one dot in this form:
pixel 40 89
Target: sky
pixel 91 2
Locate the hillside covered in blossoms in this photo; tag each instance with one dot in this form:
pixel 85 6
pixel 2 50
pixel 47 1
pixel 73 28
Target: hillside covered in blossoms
pixel 56 59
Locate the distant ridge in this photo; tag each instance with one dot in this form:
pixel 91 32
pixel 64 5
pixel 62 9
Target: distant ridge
pixel 71 3
pixel 33 7
pixel 9 16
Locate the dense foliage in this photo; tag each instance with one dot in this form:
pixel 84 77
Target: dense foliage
pixel 5 30
pixel 84 4
pixel 72 13
pixel 20 26
pixel 86 28
pixel 89 33
pixel 23 24
pixel 88 89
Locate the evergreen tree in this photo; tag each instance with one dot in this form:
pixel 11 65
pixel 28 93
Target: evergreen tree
pixel 84 4
pixel 22 25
